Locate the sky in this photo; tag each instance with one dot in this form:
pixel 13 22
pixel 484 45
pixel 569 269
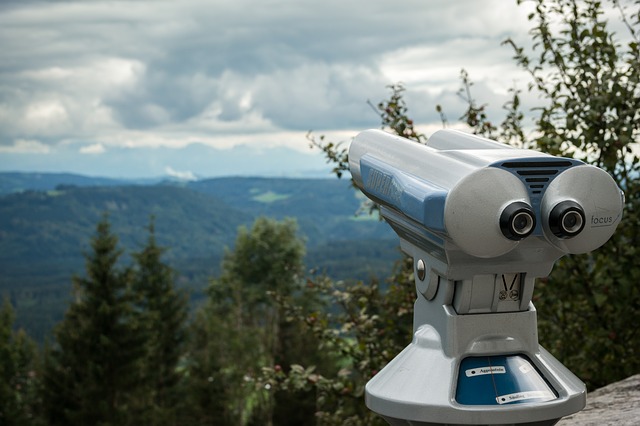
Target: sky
pixel 203 88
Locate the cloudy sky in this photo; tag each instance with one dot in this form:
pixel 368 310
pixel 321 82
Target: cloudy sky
pixel 213 87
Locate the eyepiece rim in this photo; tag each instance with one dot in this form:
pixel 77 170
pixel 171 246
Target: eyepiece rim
pixel 558 215
pixel 510 214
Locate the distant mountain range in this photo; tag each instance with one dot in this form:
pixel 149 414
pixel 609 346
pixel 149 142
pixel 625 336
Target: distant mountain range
pixel 12 182
pixel 47 220
pixel 191 161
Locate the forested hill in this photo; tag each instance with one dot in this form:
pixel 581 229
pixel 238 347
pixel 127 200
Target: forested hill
pixel 11 182
pixel 46 222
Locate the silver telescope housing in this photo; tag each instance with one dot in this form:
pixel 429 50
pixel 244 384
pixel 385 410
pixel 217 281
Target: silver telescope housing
pixel 473 197
pixel 482 220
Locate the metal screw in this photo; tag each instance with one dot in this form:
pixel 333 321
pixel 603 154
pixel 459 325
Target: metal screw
pixel 421 269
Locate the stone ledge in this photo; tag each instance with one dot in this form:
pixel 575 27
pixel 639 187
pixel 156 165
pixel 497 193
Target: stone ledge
pixel 615 404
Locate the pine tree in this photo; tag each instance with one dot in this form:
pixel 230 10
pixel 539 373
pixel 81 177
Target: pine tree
pixel 18 368
pixel 91 372
pixel 162 314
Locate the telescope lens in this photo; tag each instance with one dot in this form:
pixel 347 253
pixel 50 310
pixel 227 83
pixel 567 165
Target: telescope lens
pixel 522 223
pixel 571 222
pixel 566 219
pixel 517 221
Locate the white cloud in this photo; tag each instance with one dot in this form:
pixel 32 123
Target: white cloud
pixel 95 74
pixel 96 148
pixel 24 146
pixel 181 175
pixel 45 117
pixel 58 102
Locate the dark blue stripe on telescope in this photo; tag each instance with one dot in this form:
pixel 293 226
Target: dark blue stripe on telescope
pixel 414 197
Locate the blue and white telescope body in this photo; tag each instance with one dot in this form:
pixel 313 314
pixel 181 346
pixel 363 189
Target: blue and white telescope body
pixel 482 221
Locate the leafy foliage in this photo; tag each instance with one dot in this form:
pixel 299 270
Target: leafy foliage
pixel 393 115
pixel 591 85
pixel 368 325
pixel 510 130
pixel 591 110
pixel 241 314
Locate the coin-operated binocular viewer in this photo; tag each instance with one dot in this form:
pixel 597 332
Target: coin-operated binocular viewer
pixel 482 221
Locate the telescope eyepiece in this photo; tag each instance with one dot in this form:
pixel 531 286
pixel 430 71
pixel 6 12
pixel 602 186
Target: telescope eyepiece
pixel 517 221
pixel 566 219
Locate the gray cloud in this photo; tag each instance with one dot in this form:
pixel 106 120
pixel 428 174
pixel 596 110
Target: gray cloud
pixel 108 72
